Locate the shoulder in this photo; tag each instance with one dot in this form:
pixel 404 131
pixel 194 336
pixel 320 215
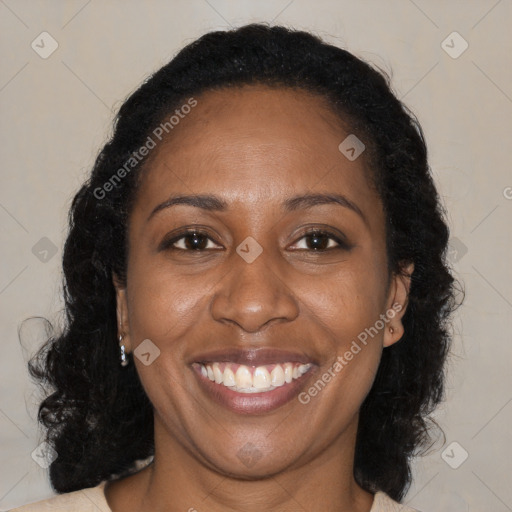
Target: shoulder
pixel 383 503
pixel 91 499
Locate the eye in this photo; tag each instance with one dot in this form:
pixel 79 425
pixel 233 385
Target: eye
pixel 319 241
pixel 194 240
pixel 189 240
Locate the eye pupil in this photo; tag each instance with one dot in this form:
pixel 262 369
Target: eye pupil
pixel 319 241
pixel 195 241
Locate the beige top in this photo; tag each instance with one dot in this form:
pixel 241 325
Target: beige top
pixel 93 500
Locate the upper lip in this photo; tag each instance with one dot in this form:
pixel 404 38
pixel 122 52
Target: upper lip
pixel 252 357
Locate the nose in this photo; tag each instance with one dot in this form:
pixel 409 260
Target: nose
pixel 253 295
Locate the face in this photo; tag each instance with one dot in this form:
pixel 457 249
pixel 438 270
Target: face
pixel 282 299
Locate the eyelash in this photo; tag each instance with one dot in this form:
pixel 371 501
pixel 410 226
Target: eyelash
pixel 169 244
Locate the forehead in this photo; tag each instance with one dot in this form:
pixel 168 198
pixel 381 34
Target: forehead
pixel 255 144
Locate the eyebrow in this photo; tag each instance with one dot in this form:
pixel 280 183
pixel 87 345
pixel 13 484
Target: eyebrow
pixel 214 203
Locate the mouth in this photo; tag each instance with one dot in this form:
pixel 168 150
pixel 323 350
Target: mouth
pixel 252 382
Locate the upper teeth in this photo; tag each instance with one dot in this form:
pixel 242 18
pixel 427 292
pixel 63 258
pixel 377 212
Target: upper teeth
pixel 251 379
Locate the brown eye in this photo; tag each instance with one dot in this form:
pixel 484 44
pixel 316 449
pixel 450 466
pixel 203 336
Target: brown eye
pixel 321 241
pixel 189 241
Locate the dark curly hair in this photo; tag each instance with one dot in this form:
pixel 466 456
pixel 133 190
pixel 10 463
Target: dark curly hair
pixel 94 407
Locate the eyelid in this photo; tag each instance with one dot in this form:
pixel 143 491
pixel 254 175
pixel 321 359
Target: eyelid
pixel 338 237
pixel 169 241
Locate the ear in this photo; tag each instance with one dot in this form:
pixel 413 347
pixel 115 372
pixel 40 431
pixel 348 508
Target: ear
pixel 397 304
pixel 123 324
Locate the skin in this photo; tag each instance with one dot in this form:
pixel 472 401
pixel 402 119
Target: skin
pixel 255 147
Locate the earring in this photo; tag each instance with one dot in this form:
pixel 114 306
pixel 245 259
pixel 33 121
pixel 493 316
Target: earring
pixel 124 358
pixel 391 330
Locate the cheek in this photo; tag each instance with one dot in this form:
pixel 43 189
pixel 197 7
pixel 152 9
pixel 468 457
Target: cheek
pixel 348 300
pixel 344 310
pixel 162 303
pixel 347 308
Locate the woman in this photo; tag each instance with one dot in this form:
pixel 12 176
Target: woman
pixel 256 292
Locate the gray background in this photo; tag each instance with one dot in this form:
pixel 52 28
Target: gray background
pixel 56 113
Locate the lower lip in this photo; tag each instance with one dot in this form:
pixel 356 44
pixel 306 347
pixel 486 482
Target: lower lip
pixel 251 403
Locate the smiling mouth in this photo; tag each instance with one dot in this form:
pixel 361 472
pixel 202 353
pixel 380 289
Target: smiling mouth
pixel 248 389
pixel 252 379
